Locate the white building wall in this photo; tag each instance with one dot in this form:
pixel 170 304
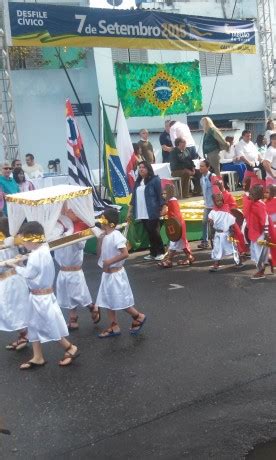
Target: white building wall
pixel 39 101
pixel 240 92
pixel 40 95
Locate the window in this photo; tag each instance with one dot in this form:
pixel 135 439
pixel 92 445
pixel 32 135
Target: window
pixel 129 55
pixel 215 64
pixel 22 57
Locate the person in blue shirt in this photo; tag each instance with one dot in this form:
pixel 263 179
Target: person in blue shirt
pixel 7 183
pixel 207 191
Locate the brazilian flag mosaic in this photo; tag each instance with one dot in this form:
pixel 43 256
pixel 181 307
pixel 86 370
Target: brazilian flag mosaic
pixel 159 89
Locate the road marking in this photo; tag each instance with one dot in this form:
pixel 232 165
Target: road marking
pixel 175 286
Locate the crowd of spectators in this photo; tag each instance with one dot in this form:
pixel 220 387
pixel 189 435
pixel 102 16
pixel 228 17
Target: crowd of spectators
pixel 15 177
pixel 245 157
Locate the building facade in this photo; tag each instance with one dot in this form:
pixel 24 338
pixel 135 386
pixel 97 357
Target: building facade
pixel 232 87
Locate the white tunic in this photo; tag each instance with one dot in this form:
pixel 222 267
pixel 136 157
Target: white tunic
pixel 177 246
pixel 221 246
pixel 257 249
pixel 71 288
pixel 46 322
pixel 115 292
pixel 14 297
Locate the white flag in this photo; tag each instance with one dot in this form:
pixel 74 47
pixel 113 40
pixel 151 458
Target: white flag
pixel 125 148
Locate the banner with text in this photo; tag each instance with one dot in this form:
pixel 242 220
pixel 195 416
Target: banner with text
pixel 37 24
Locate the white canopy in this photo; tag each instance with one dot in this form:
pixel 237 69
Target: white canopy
pixel 45 205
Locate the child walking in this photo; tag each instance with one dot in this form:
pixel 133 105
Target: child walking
pixel 271 211
pixel 258 229
pixel 14 293
pixel 46 322
pixel 222 223
pixel 182 245
pixel 71 288
pixel 115 292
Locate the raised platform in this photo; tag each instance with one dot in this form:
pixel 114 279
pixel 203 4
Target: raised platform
pixel 192 208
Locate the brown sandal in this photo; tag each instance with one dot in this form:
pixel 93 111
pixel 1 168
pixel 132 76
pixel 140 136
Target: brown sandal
pixel 184 262
pixel 68 355
pixel 106 333
pixel 165 264
pixel 20 343
pixel 95 314
pixel 137 324
pixel 73 320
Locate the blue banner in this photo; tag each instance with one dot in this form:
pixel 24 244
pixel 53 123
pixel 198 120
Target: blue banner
pixel 37 24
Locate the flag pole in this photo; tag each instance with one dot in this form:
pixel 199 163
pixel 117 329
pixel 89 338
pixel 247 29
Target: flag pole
pixel 100 145
pixel 116 119
pixel 76 94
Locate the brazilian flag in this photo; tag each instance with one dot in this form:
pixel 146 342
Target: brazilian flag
pixel 115 178
pixel 159 89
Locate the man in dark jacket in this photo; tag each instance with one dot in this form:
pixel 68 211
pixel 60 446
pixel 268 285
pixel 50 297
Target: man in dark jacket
pixel 182 166
pixel 166 143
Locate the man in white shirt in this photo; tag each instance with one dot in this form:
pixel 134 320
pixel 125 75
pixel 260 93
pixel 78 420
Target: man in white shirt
pixel 32 169
pixel 246 152
pixel 269 162
pixel 182 130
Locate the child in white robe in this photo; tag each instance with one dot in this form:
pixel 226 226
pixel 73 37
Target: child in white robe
pixel 115 292
pixel 14 293
pixel 46 322
pixel 71 288
pixel 222 221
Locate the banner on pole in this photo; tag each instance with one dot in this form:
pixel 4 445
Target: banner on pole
pixel 78 169
pixel 115 177
pixel 38 24
pixel 125 148
pixel 159 89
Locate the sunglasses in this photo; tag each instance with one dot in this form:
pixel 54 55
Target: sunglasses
pixel 8 168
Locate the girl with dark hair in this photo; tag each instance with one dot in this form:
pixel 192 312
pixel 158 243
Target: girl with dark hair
pixel 138 157
pixel 115 292
pixel 19 177
pixel 46 322
pixel 14 294
pixel 146 205
pixel 137 152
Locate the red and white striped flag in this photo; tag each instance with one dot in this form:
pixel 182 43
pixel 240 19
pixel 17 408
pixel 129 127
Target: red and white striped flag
pixel 125 148
pixel 78 168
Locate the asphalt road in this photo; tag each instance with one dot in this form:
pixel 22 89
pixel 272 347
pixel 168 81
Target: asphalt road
pixel 198 383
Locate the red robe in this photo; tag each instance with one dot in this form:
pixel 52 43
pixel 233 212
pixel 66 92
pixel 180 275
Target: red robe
pixel 175 212
pixel 229 199
pixel 79 225
pixel 256 218
pixel 271 209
